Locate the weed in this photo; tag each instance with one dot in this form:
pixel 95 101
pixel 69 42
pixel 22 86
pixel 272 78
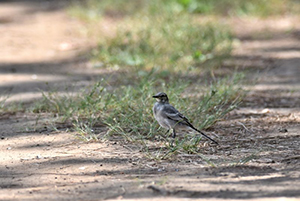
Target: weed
pixel 158 46
pixel 94 9
pixel 174 42
pixel 222 97
pixel 261 8
pixel 132 116
pixel 83 110
pixel 8 106
pixel 127 110
pixel 3 99
pixel 246 159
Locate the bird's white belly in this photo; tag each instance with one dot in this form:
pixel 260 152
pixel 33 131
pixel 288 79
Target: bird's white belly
pixel 163 122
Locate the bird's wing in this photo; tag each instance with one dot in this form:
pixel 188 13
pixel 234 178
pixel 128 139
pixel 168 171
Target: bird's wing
pixel 173 114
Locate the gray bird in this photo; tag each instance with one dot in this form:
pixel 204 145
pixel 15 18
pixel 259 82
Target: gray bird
pixel 168 117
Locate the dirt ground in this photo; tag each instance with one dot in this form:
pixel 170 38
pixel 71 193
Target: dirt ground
pixel 42 48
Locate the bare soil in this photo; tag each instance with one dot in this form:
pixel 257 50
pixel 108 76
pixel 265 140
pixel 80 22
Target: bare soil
pixel 43 48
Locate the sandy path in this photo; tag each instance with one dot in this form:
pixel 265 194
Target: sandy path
pixel 40 44
pixel 40 49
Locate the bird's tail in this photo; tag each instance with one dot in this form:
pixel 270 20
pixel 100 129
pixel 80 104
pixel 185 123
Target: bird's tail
pixel 203 134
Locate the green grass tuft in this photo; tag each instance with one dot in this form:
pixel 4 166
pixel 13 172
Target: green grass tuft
pixel 127 110
pixel 95 9
pixel 175 45
pixel 261 8
pixel 158 46
pixel 160 36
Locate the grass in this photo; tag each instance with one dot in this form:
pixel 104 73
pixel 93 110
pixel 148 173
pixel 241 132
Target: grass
pixel 93 9
pixel 11 107
pixel 175 45
pixel 3 99
pixel 158 46
pixel 260 8
pixel 156 34
pixel 127 111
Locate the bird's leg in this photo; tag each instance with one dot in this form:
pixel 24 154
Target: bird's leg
pixel 173 137
pixel 174 134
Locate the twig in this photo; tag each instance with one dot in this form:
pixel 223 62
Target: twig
pixel 245 127
pixel 291 158
pixel 126 147
pixel 158 190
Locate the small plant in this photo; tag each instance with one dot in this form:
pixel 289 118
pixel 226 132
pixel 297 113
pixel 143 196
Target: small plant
pixel 7 106
pixel 222 97
pixel 170 40
pixel 3 100
pixel 82 110
pixel 261 8
pixel 127 110
pixel 158 45
pixel 132 115
pixel 95 9
pixel 244 160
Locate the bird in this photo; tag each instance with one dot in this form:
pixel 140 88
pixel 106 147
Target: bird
pixel 170 118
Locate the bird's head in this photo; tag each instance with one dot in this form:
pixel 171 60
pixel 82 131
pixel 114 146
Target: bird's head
pixel 161 97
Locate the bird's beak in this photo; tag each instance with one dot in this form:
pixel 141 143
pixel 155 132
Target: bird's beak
pixel 155 96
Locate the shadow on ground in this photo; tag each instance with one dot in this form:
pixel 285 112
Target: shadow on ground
pixel 42 164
